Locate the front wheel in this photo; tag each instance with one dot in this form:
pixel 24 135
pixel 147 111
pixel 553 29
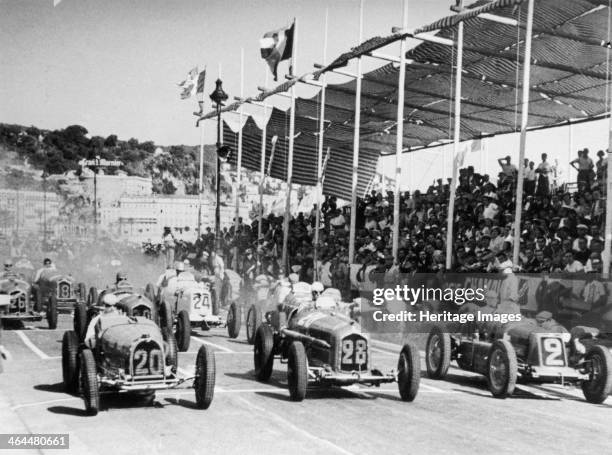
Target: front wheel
pixel 234 320
pixel 52 312
pixel 82 290
pixel 253 321
pixel 297 371
pixel 89 382
pixel 204 382
pixel 80 320
pixel 183 331
pixel 166 316
pixel 70 361
pixel 438 353
pixel 502 369
pixel 408 372
pixel 92 296
pixel 599 385
pixel 263 355
pixel 172 349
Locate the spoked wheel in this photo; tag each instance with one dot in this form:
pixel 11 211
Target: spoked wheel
pixel 438 353
pixel 82 292
pixel 253 322
pixel 80 321
pixel 89 382
pixel 183 331
pixel 599 385
pixel 166 317
pixel 297 371
pixel 92 296
pixel 408 372
pixel 172 349
pixel 234 320
pixel 204 382
pixel 70 361
pixel 502 369
pixel 263 355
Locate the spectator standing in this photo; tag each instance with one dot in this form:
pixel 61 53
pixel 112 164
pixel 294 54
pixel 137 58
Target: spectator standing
pixel 169 246
pixel 544 170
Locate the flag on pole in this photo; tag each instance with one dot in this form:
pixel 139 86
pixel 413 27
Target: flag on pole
pixel 476 145
pixel 277 46
pixel 200 84
pixel 189 84
pixel 274 139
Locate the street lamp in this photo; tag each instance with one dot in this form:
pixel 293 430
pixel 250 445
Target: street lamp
pixel 218 96
pixel 45 174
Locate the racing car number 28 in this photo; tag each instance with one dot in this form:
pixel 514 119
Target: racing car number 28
pixel 354 353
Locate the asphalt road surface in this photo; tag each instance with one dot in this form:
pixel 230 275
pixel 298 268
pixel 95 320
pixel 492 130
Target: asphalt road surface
pixel 455 416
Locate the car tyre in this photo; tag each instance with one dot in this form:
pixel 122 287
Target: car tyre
pixel 263 354
pixel 297 371
pixel 408 372
pixel 172 348
pixel 52 312
pixel 92 296
pixel 204 383
pixel 82 289
pixel 234 320
pixel 278 319
pixel 70 361
pixel 253 321
pixel 89 382
pixel 150 292
pixel 599 386
pixel 502 369
pixel 438 353
pixel 183 331
pixel 166 318
pixel 80 321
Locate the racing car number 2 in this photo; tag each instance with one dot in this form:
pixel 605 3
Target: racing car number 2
pixel 552 351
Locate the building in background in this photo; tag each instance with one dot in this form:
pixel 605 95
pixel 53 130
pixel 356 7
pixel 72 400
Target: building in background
pixel 26 212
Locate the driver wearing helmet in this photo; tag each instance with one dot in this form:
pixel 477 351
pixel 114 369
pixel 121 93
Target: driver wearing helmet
pixel 8 269
pixel 121 281
pixel 110 309
pixel 182 275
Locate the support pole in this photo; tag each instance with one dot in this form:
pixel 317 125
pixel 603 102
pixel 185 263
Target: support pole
pixel 523 143
pixel 356 133
pixel 399 137
pixel 290 155
pixel 319 193
pixel 239 159
pixel 201 180
pixel 450 222
pixel 262 176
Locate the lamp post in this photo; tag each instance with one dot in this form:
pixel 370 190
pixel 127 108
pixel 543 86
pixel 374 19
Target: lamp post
pixel 218 96
pixel 44 176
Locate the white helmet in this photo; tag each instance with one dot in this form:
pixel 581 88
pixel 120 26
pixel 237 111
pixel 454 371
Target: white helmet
pixel 110 300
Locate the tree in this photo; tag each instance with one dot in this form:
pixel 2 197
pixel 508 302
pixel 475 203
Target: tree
pixel 111 141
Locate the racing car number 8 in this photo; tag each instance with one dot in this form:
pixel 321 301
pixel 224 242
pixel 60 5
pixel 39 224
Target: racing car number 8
pixel 354 351
pixel 148 362
pixel 553 352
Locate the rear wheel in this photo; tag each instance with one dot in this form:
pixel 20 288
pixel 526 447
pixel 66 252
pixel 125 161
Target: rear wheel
pixel 278 319
pixel 502 369
pixel 166 318
pixel 150 292
pixel 204 383
pixel 263 353
pixel 234 320
pixel 438 353
pixel 172 353
pixel 89 382
pixel 52 312
pixel 408 372
pixel 297 371
pixel 92 296
pixel 183 331
pixel 70 361
pixel 253 321
pixel 80 321
pixel 599 385
pixel 82 292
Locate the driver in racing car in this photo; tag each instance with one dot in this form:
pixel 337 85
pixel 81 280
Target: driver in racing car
pixel 181 275
pixel 47 265
pixel 110 309
pixel 8 269
pixel 121 281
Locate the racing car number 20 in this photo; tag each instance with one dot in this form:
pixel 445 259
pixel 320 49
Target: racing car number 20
pixel 148 361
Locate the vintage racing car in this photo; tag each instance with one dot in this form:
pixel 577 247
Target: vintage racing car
pixel 526 352
pixel 22 307
pixel 189 303
pixel 57 290
pixel 131 354
pixel 131 303
pixel 323 346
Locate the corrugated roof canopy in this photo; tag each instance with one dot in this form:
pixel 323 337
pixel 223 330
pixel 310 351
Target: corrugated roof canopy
pixel 569 76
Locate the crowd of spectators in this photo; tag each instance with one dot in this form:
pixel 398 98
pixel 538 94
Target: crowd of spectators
pixel 561 230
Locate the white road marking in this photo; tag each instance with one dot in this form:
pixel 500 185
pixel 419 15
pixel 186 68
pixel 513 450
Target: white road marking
pixel 222 348
pixel 284 422
pixel 222 352
pixel 431 388
pixel 31 345
pixel 43 403
pixel 382 351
